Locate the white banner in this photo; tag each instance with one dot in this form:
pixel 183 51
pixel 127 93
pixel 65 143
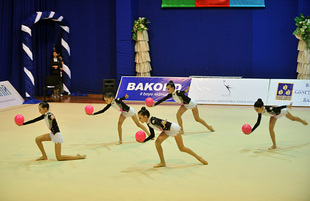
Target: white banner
pixel 228 91
pixel 283 92
pixel 9 96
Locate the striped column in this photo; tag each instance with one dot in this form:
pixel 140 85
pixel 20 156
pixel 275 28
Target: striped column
pixel 27 50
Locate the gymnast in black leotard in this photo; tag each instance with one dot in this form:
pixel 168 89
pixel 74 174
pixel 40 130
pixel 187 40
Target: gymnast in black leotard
pixel 125 110
pixel 186 103
pixel 167 129
pixel 275 112
pixel 54 136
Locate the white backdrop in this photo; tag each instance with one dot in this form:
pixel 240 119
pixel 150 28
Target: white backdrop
pixel 228 91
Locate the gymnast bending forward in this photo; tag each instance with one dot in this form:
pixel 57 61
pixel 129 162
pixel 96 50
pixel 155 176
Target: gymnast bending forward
pixel 186 103
pixel 126 111
pixel 167 129
pixel 275 113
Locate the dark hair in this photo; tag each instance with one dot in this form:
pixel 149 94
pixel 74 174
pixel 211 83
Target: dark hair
pixel 259 103
pixel 171 84
pixel 44 104
pixel 108 95
pixel 144 112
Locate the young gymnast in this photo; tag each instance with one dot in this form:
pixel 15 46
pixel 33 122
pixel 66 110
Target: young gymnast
pixel 55 134
pixel 186 103
pixel 126 111
pixel 274 113
pixel 167 129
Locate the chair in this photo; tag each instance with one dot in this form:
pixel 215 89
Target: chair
pixel 52 82
pixel 109 85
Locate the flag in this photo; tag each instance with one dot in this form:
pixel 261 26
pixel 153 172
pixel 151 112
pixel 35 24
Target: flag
pixel 212 3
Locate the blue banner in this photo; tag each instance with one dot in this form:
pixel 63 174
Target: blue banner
pixel 247 3
pixel 140 88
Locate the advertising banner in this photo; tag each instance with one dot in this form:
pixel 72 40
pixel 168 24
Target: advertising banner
pixel 9 96
pixel 283 92
pixel 140 88
pixel 228 91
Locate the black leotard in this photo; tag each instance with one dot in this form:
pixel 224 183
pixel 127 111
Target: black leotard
pixel 268 111
pixel 117 104
pixel 51 123
pixel 178 96
pixel 156 123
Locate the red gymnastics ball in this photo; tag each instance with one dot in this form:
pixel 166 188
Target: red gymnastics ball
pixel 149 102
pixel 89 109
pixel 246 129
pixel 140 136
pixel 19 119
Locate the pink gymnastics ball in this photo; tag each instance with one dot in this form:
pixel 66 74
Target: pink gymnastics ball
pixel 149 102
pixel 140 136
pixel 19 119
pixel 89 109
pixel 246 129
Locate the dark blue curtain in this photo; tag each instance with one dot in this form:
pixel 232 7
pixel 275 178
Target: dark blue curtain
pixel 13 13
pixel 92 41
pixel 248 42
pixel 304 7
pixel 126 13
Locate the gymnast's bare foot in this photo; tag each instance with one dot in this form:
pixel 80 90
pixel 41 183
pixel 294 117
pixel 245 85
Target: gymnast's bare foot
pixel 203 161
pixel 41 158
pixel 304 122
pixel 80 156
pixel 211 128
pixel 159 165
pixel 272 147
pixel 119 142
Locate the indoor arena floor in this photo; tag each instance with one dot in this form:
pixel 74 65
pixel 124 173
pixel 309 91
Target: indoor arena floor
pixel 240 166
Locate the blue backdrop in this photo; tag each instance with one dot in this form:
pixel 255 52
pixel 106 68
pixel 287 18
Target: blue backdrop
pixel 248 42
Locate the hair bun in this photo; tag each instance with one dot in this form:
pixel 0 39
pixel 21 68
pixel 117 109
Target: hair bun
pixel 143 108
pixel 259 103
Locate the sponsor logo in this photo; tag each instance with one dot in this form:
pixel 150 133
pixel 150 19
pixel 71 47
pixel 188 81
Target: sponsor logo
pixel 285 91
pixel 228 87
pixel 138 88
pixel 131 86
pixel 306 100
pixel 4 91
pixel 302 92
